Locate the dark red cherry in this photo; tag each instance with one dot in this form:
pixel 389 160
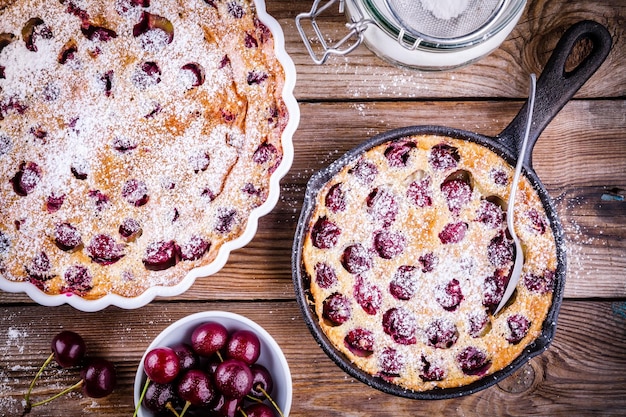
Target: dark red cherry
pixel 262 382
pixel 67 237
pixel 389 244
pixel 493 289
pixel 325 275
pixel 390 362
pixel 266 152
pixel 453 233
pixel 256 77
pixel 226 219
pixel 194 248
pixel 449 296
pixel 208 338
pixel 130 229
pixel 473 361
pixel 457 194
pixel 401 325
pixel 196 388
pixel 430 371
pixel 336 309
pixel 151 22
pixel 250 41
pixel 98 33
pixel 54 202
pixel 325 233
pixel 360 342
pixel 233 378
pixel 404 283
pixel 78 280
pixel 419 192
pixel 161 255
pixel 99 378
pixel 490 214
pixel 500 251
pixel 441 333
pixel 382 206
pixel 147 74
pixel 35 29
pixel 243 345
pixel 397 153
pixel 442 157
pixel 335 199
pixel 124 144
pixel 194 72
pixel 68 348
pixel 356 259
pixel 200 161
pixel 186 355
pixel 39 267
pixel 158 396
pixel 539 283
pixel 368 296
pixel 518 328
pixel 478 324
pixel 259 410
pixel 27 178
pixel 135 192
pixel 428 261
pixel 161 365
pixel 365 171
pixel 538 221
pixel 499 176
pixel 104 250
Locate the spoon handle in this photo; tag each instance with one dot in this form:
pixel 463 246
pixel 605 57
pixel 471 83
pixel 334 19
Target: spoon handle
pixel 519 256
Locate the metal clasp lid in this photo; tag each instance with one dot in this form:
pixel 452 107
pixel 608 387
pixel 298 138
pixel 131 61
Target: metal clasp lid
pixel 357 27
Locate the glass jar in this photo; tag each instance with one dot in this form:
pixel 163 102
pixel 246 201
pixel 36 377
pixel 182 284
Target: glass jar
pixel 375 24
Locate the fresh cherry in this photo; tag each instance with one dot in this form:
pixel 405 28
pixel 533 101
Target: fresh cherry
pixel 99 378
pixel 244 345
pixel 258 410
pixel 209 338
pixel 233 378
pixel 262 382
pixel 161 365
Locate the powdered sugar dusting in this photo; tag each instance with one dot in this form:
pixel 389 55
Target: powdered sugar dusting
pixel 424 278
pixel 147 113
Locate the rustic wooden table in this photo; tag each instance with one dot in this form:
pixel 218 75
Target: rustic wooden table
pixel 581 158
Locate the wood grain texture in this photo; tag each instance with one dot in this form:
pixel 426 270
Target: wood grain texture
pixel 590 344
pixel 580 158
pixel 502 74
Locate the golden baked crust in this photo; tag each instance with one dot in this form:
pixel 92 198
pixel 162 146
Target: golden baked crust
pixel 136 136
pixel 407 256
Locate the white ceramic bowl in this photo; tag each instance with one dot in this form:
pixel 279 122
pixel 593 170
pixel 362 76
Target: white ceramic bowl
pixel 293 110
pixel 272 356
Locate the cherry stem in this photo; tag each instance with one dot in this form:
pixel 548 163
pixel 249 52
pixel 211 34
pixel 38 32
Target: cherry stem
pixel 255 399
pixel 171 408
pixel 32 384
pixel 143 394
pixel 271 400
pixel 65 391
pixel 182 413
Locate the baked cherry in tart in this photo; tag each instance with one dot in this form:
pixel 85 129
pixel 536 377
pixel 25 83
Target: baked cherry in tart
pixel 407 255
pixel 135 139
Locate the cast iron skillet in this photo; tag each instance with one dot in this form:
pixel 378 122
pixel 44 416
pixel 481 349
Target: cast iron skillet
pixel 555 87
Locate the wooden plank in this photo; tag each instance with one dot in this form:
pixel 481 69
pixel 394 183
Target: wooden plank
pixel 582 373
pixel 503 73
pixel 581 158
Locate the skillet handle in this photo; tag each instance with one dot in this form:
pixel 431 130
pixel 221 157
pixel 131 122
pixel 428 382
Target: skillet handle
pixel 556 86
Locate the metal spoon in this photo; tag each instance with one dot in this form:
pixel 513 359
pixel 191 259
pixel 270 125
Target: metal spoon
pixel 519 255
